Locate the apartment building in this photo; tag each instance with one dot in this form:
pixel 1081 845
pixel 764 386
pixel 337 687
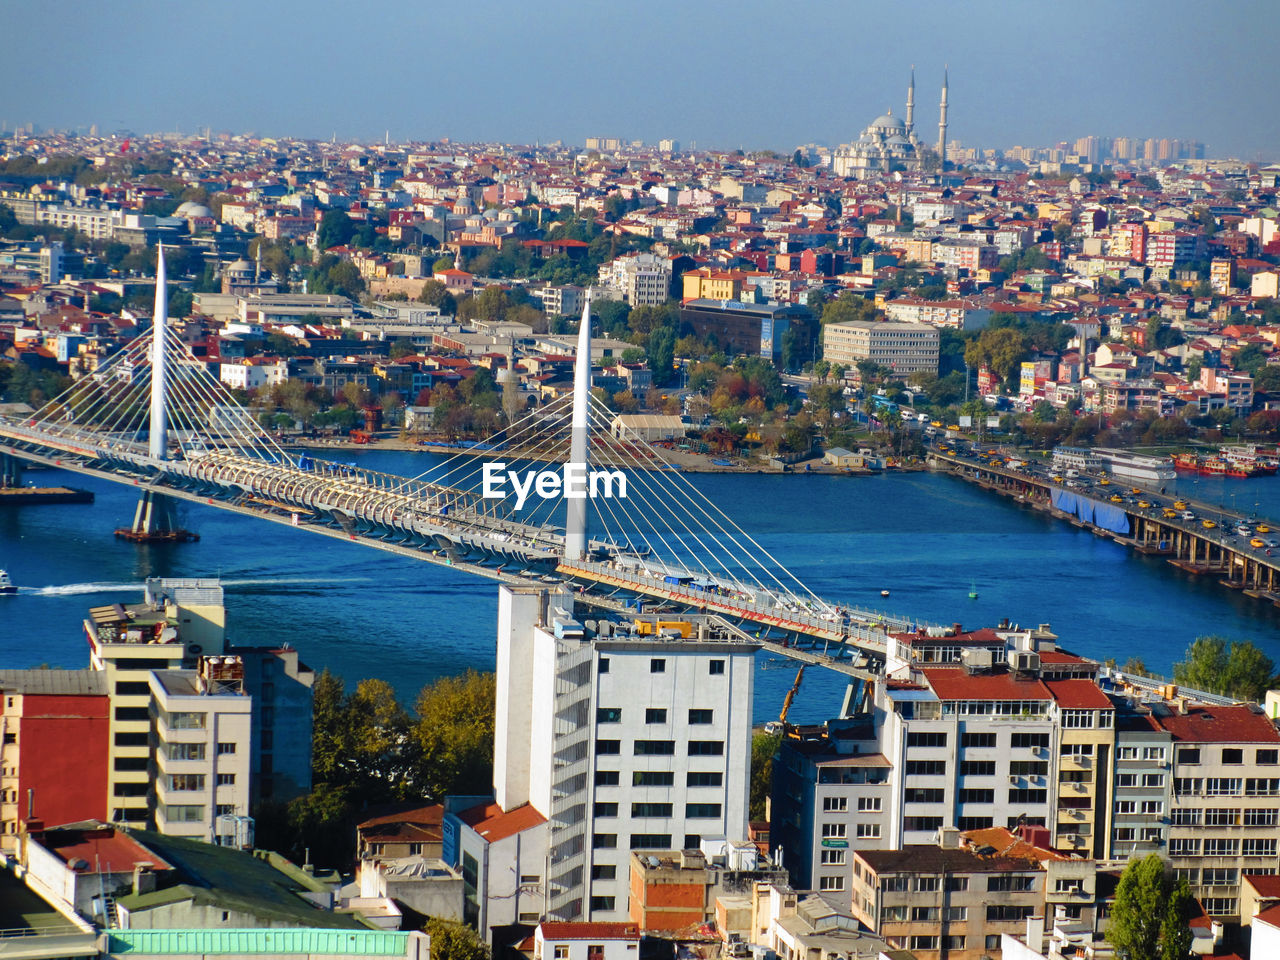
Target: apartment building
pixel 631 736
pixel 941 901
pixel 202 728
pixel 963 314
pixel 177 621
pixel 53 748
pixel 1225 802
pixel 904 348
pixel 643 279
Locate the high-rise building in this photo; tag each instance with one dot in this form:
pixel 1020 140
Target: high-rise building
pixel 624 735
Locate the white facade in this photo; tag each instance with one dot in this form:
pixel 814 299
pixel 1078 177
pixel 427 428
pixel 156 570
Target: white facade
pixel 644 279
pixel 253 376
pixel 203 721
pixel 624 740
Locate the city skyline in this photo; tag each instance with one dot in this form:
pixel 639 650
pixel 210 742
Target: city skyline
pixel 702 78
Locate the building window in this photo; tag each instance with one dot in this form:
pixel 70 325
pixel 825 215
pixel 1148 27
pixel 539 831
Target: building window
pixel 927 768
pixel 645 809
pixel 1266 757
pixel 717 667
pixel 977 795
pixel 1155 780
pixel 604 841
pixel 601 903
pixel 224 809
pixel 652 778
pixel 601 809
pixel 1077 719
pixel 869 804
pixel 832 858
pixel 924 795
pixel 655 748
pixel 971 740
pixel 1006 883
pixel 134 764
pixel 608 714
pixel 606 778
pixel 926 739
pixel 655 715
pixel 603 665
pixel 868 831
pixel 651 841
pixel 707 778
pixel 186 751
pixel 132 739
pixel 835 804
pixel 975 823
pixel 976 768
pixel 185 781
pixel 1126 807
pixel 561 951
pixel 1008 912
pixel 697 716
pixel 702 811
pixel 183 813
pixel 1023 740
pixel 921 823
pixel 1189 755
pixel 226 779
pixel 836 830
pixel 608 748
pixel 922 941
pixel 835 882
pixel 706 748
pixel 604 871
pixel 657 665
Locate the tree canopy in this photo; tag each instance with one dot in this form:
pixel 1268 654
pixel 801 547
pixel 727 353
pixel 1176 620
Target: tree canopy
pixel 1231 668
pixel 1149 919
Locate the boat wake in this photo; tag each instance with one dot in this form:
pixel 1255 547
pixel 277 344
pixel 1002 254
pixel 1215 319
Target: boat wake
pixel 72 589
pixel 75 589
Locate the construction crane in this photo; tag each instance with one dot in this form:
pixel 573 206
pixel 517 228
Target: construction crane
pixel 789 699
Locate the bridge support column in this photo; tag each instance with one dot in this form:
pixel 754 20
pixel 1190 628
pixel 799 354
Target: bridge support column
pixel 155 521
pixel 10 471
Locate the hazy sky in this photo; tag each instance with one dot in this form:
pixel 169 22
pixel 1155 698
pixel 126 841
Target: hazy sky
pixel 723 73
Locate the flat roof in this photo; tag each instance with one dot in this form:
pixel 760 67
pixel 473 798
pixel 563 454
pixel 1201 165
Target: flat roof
pixel 268 942
pixel 65 683
pixel 955 683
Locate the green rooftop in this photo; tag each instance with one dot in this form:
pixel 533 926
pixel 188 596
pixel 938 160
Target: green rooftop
pixel 235 880
pixel 278 942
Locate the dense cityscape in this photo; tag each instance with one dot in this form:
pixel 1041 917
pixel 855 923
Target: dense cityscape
pixel 528 364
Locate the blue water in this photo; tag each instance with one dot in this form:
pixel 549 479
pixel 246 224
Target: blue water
pixel 361 612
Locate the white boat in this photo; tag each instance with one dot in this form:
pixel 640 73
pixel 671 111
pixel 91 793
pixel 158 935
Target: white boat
pixel 6 585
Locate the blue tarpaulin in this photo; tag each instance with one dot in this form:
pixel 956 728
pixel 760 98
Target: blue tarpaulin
pixel 1105 515
pixel 1110 517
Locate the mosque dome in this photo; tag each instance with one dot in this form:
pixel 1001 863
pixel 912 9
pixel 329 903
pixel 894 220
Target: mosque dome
pixel 888 124
pixel 191 209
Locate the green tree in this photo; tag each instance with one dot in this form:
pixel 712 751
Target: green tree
pixel 1001 350
pixel 662 354
pixel 454 735
pixel 328 729
pixel 1231 668
pixel 848 307
pixel 335 229
pixel 454 941
pixel 763 747
pixel 1149 919
pixel 436 294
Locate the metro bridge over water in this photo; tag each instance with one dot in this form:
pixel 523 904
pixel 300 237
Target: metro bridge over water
pixel 154 417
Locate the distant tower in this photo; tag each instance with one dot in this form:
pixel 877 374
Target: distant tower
pixel 911 105
pixel 942 124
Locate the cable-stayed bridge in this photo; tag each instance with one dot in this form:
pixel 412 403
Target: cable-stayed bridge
pixel 562 493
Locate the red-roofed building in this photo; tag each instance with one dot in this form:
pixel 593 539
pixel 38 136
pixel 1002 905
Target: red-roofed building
pixel 502 855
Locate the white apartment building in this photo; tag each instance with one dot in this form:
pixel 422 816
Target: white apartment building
pixel 960 314
pixel 253 374
pixel 904 348
pixel 629 736
pixel 203 722
pixel 643 279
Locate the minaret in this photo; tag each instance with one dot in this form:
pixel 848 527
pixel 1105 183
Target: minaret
pixel 942 124
pixel 911 105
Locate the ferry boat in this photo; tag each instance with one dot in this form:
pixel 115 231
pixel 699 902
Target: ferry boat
pixel 1189 462
pixel 1246 461
pixel 6 585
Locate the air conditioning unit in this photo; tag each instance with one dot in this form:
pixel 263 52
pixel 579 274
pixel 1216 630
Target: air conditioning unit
pixel 1038 781
pixel 1037 751
pixel 1014 780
